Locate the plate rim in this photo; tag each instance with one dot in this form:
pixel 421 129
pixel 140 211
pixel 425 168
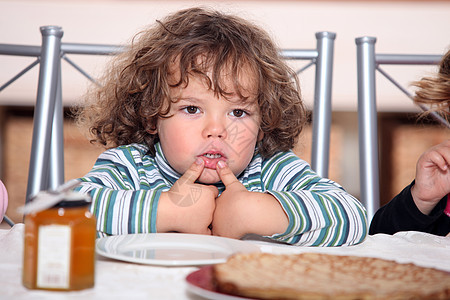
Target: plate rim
pixel 172 262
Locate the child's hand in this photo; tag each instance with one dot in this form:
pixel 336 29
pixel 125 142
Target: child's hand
pixel 239 211
pixel 188 206
pixel 432 177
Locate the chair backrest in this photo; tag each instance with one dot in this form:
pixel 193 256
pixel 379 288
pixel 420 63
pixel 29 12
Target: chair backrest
pixel 368 62
pixel 46 169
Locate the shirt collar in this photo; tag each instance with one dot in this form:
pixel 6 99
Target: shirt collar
pixel 166 170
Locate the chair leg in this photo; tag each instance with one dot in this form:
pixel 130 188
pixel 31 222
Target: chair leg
pixel 8 220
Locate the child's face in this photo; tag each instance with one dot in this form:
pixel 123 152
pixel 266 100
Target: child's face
pixel 210 127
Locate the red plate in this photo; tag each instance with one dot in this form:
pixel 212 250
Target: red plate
pixel 200 283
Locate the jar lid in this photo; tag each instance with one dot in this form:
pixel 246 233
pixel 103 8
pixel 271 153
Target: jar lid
pixel 73 199
pixel 63 196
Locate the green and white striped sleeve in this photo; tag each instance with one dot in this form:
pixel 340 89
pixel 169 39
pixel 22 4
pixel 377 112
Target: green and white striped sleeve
pixel 320 212
pixel 125 191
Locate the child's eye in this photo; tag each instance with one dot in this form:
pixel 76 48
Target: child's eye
pixel 238 113
pixel 191 109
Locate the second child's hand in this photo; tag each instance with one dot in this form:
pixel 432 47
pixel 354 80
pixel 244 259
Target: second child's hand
pixel 432 177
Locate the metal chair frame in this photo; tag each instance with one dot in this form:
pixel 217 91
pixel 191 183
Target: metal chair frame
pixel 368 62
pixel 46 170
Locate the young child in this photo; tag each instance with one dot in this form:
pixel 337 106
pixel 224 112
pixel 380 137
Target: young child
pixel 203 113
pixel 424 205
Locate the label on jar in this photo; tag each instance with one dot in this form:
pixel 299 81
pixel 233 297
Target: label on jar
pixel 53 267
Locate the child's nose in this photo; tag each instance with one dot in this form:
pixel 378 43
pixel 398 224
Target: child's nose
pixel 215 127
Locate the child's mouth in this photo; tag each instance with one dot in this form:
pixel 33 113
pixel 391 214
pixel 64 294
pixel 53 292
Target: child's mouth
pixel 212 158
pixel 210 155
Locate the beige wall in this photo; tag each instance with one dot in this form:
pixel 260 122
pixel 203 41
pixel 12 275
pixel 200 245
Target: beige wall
pixel 413 27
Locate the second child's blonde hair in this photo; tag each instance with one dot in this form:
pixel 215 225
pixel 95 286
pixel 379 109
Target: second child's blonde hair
pixel 435 91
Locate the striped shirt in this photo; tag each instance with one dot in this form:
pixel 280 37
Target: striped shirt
pixel 125 184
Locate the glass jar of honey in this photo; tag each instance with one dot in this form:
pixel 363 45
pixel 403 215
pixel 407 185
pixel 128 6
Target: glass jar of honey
pixel 59 248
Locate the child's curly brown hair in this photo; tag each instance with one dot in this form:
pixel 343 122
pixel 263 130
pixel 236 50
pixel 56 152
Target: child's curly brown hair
pixel 135 90
pixel 435 91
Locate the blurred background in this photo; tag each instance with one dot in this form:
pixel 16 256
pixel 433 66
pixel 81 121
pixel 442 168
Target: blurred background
pixel 401 27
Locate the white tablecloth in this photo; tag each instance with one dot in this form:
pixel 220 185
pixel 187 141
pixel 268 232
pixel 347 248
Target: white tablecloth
pixel 121 280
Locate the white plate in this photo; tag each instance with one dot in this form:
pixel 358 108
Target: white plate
pixel 171 249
